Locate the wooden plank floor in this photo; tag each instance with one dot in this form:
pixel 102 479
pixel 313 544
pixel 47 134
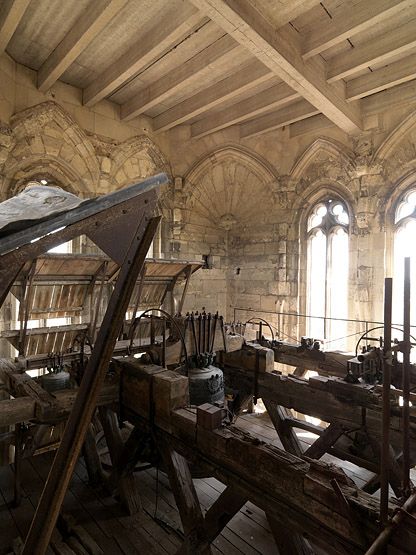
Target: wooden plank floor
pixel 157 530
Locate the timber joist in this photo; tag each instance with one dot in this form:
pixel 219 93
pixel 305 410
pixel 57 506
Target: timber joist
pixel 328 398
pixel 298 492
pixel 218 64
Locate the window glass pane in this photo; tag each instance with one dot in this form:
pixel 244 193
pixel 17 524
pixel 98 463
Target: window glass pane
pixel 338 288
pixel 316 284
pixel 404 210
pixel 404 241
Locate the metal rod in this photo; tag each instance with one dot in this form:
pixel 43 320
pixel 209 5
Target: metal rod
pixel 203 331
pixel 199 334
pixel 382 540
pixel 163 343
pixel 209 332
pixel 213 332
pixel 194 334
pixel 385 450
pixel 406 378
pixel 236 308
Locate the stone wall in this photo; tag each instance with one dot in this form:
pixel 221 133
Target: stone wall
pixel 241 203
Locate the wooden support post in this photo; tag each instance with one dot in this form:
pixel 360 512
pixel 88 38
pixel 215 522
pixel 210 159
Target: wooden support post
pixel 219 514
pixel 187 501
pixel 321 445
pixel 126 483
pixel 66 457
pixel 288 543
pixel 130 455
pixel 18 447
pixel 222 511
pixel 188 273
pixel 92 458
pixel 279 416
pixel 136 304
pixel 394 475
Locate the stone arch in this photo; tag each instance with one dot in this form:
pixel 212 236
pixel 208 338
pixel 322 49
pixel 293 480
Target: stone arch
pixel 46 138
pixel 56 172
pixel 135 159
pixel 217 185
pixel 397 153
pixel 322 157
pixel 396 137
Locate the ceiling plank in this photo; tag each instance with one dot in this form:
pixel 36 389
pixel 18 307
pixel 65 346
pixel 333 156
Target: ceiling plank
pixel 273 97
pixel 283 11
pixel 400 95
pixel 396 42
pixel 275 120
pixel 177 78
pixel 384 78
pixel 11 12
pixel 349 22
pixel 280 51
pixel 90 23
pixel 174 27
pixel 242 80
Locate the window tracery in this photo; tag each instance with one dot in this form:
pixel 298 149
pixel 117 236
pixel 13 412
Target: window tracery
pixel 327 272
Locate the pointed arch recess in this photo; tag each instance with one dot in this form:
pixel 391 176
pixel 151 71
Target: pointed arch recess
pixel 322 146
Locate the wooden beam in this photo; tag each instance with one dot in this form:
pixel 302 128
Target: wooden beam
pixel 127 486
pixel 384 78
pixel 177 78
pixel 76 428
pixel 222 511
pixel 183 488
pixel 274 97
pixel 162 36
pixel 351 21
pixel 11 14
pixel 279 416
pixel 280 51
pixel 308 125
pixel 322 445
pixel 90 23
pixel 275 120
pixel 242 80
pixel 379 50
pixel 288 542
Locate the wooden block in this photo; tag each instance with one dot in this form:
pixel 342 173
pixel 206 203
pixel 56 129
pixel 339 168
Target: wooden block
pixel 170 392
pixel 249 357
pixel 209 416
pixel 135 384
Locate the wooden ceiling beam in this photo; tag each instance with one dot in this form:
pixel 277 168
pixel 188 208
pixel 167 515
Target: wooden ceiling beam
pixel 384 78
pixel 157 41
pixel 177 78
pixel 280 51
pixel 274 97
pixel 90 23
pixel 242 80
pixel 11 13
pixel 398 41
pixel 275 120
pixel 351 21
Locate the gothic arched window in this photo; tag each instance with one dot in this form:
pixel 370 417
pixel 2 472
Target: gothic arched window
pixel 404 240
pixel 327 271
